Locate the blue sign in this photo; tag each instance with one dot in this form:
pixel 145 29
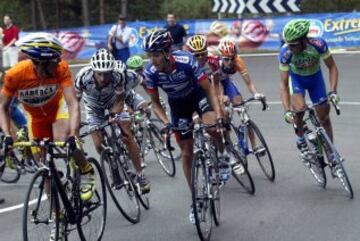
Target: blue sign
pixel 340 30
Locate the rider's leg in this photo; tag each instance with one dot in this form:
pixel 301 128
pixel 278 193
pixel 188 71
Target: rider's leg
pixel 186 147
pixel 130 142
pixel 298 104
pixel 323 112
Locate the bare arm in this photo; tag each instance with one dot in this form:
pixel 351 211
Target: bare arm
pixel 74 110
pixel 4 113
pixel 10 43
pixel 333 72
pixel 250 85
pixel 157 108
pixel 118 106
pixel 211 93
pixel 284 90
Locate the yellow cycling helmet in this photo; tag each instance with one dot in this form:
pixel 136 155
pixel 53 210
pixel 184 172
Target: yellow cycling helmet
pixel 197 44
pixel 219 28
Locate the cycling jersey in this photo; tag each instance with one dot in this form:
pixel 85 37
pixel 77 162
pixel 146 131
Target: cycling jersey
pixel 134 100
pixel 304 69
pixel 238 66
pixel 98 100
pixel 182 81
pixel 212 65
pixel 40 97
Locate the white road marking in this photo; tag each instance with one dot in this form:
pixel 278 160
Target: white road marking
pixel 12 208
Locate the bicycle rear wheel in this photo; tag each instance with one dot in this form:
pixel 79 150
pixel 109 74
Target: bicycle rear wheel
pixel 201 202
pixel 262 153
pixel 40 213
pixel 123 194
pixel 163 155
pixel 92 225
pixel 241 172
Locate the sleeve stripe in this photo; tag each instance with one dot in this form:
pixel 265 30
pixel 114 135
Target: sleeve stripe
pixel 202 77
pixel 152 90
pixel 284 67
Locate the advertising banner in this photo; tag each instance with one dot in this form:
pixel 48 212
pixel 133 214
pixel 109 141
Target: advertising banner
pixel 340 30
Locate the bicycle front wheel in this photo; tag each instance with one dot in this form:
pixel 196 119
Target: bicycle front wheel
pixel 340 173
pixel 201 202
pixel 163 155
pixel 41 210
pixel 120 187
pixel 261 152
pixel 92 225
pixel 241 172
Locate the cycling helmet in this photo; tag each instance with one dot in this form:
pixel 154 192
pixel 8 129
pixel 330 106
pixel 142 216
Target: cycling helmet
pixel 120 66
pixel 197 44
pixel 40 46
pixel 295 30
pixel 135 62
pixel 102 61
pixel 219 28
pixel 158 40
pixel 227 48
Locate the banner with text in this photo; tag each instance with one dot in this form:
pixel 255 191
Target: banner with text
pixel 340 30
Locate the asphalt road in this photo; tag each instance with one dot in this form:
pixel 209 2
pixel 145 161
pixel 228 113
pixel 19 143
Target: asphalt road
pixel 293 208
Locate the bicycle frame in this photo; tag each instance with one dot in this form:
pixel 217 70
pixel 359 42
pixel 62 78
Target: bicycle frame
pixel 56 185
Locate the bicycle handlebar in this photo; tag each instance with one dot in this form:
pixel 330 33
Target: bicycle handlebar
pixel 262 100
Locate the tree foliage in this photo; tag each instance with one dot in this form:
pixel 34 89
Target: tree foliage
pixel 68 13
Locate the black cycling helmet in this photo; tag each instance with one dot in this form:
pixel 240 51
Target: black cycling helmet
pixel 159 40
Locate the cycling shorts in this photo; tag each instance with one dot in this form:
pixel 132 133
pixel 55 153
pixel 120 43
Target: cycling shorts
pixel 230 89
pixel 42 128
pixel 183 109
pixel 314 84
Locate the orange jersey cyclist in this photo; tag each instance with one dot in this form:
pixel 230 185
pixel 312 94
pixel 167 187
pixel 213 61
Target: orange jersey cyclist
pixel 44 86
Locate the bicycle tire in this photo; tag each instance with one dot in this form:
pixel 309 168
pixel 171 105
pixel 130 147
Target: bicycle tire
pixel 198 167
pixel 215 191
pixel 88 208
pixel 345 181
pixel 270 170
pixel 244 178
pixel 128 189
pixel 164 157
pixel 10 175
pixel 176 153
pixel 38 182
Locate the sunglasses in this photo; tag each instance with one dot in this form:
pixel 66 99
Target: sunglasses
pixel 294 44
pixel 227 58
pixel 205 54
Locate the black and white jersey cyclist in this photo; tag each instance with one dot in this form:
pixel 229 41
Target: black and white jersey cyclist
pixel 104 87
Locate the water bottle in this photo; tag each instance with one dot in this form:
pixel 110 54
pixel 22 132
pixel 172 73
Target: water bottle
pixel 242 140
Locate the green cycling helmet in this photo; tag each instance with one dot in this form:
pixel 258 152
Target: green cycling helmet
pixel 295 30
pixel 135 62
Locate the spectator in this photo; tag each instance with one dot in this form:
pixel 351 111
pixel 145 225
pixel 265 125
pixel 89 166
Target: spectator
pixel 177 31
pixel 118 42
pixel 11 34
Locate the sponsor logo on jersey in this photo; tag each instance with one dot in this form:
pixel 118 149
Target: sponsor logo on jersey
pixel 38 96
pixel 182 59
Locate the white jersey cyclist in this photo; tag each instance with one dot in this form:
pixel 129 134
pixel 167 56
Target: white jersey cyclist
pixel 97 100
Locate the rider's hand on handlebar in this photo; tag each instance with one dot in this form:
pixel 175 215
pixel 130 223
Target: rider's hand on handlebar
pixel 8 143
pixel 289 116
pixel 334 97
pixel 167 128
pixel 259 96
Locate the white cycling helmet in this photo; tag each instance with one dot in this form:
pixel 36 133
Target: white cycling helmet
pixel 102 61
pixel 120 66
